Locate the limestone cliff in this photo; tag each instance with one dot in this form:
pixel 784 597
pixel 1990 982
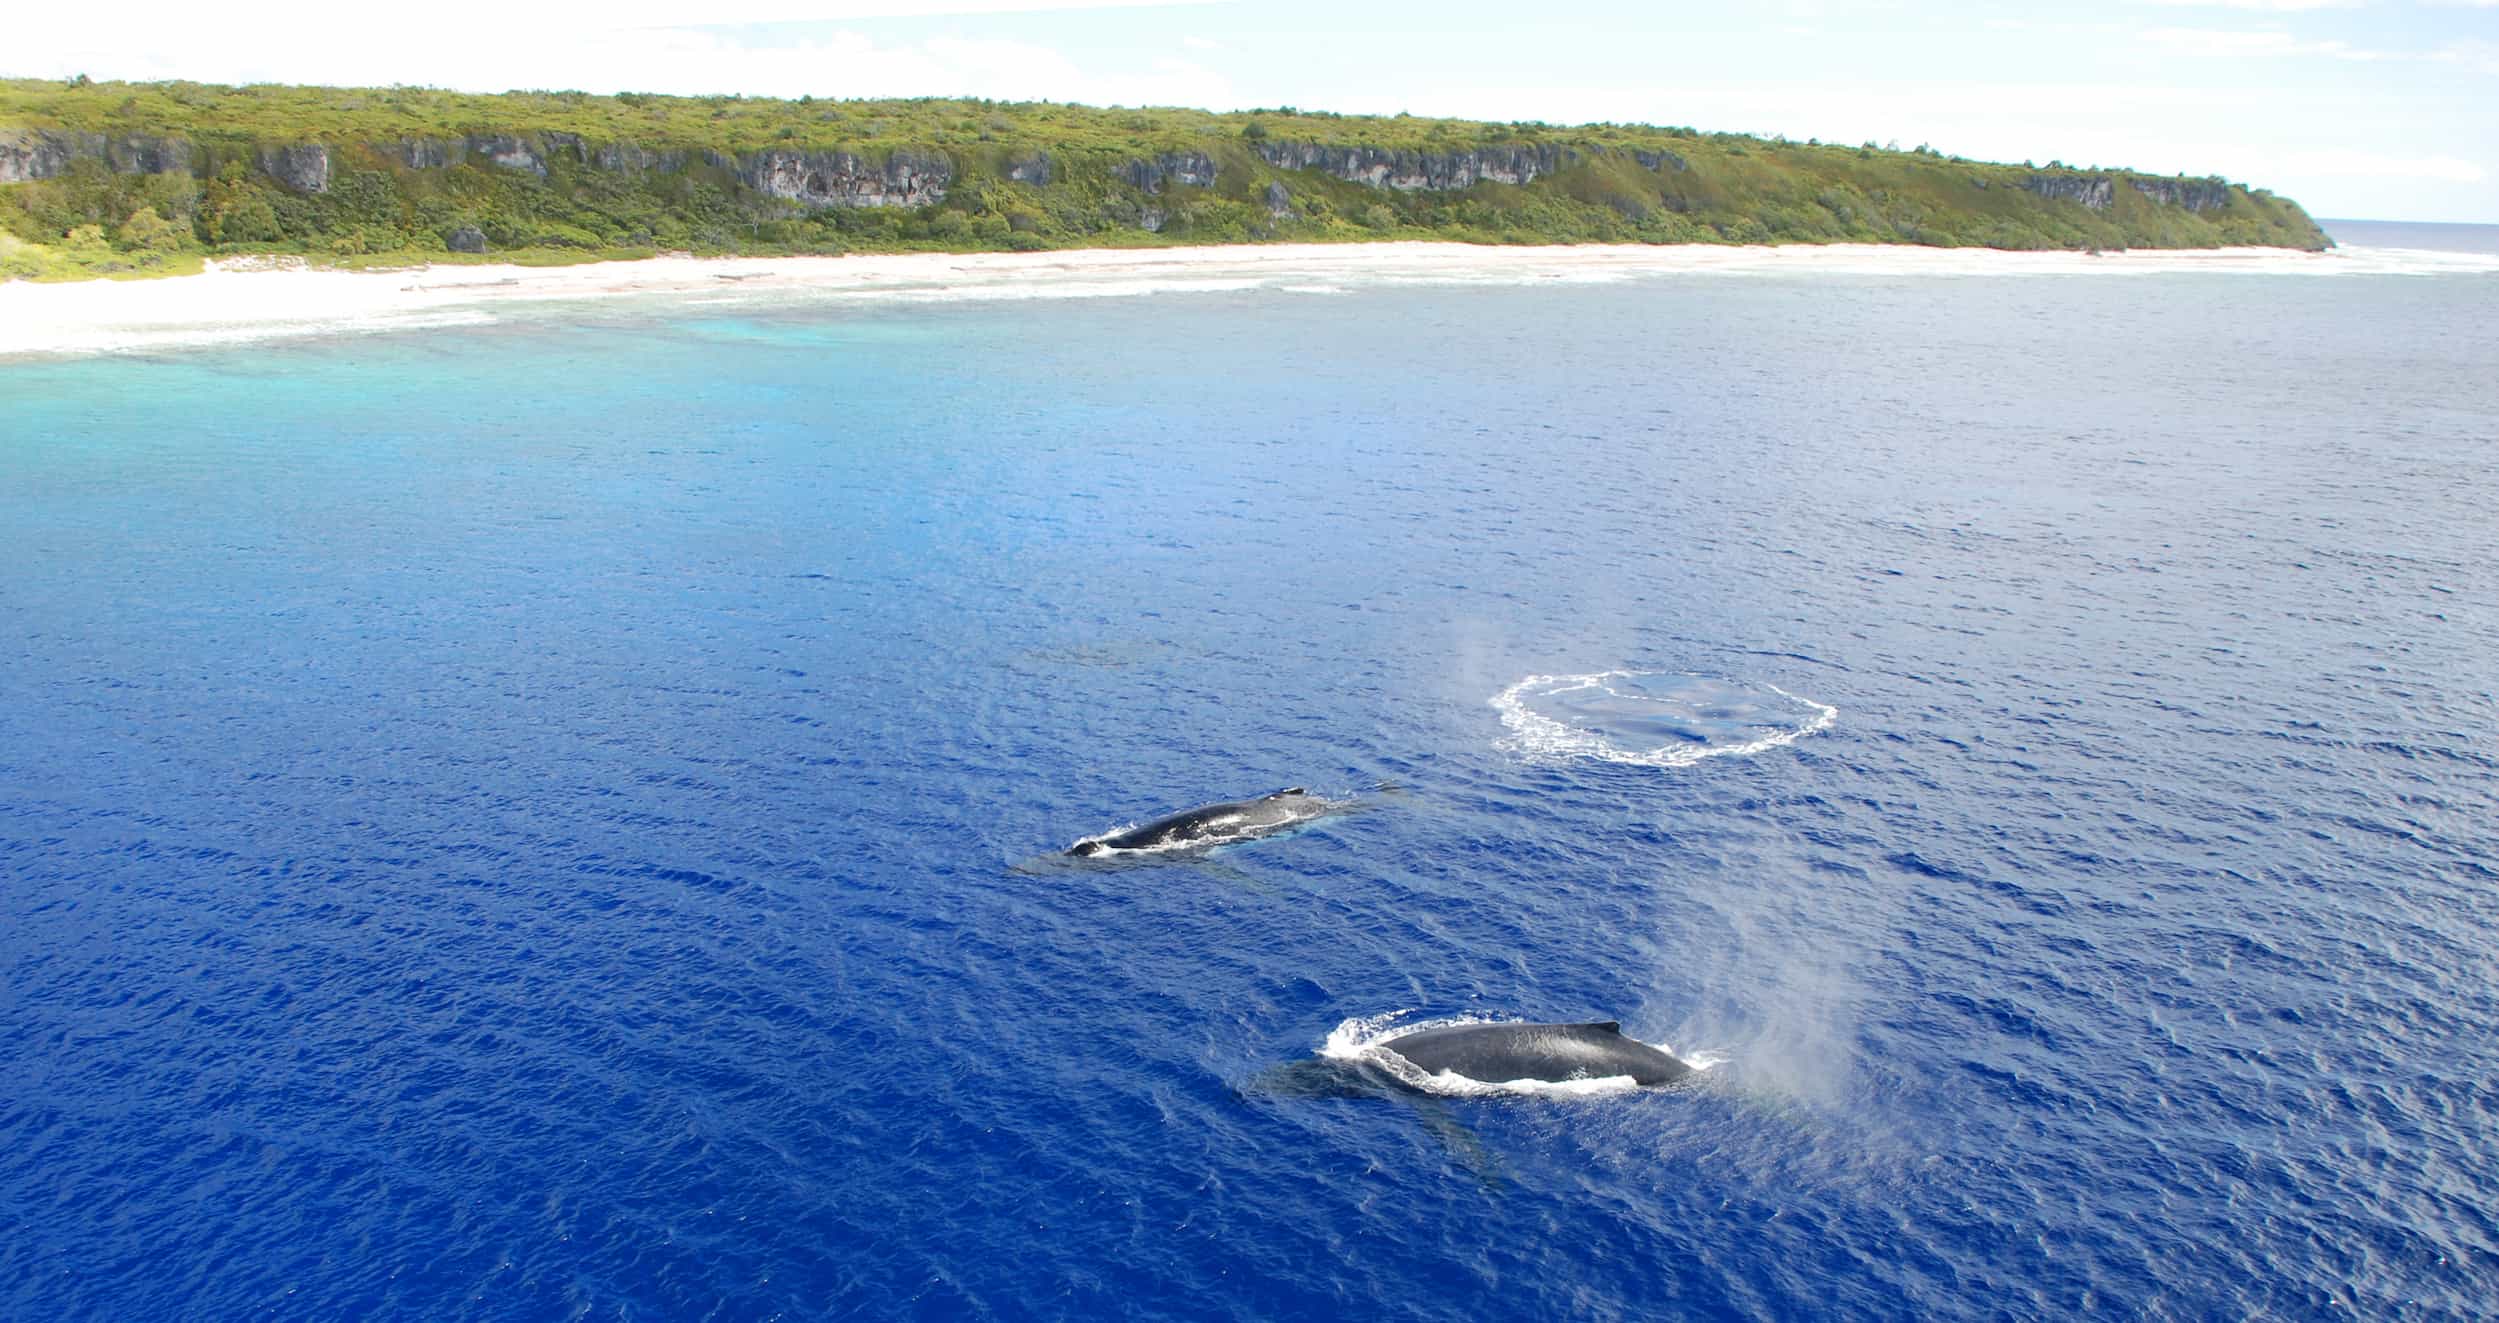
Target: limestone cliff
pixel 1411 171
pixel 2093 192
pixel 1192 169
pixel 361 171
pixel 2198 195
pixel 30 155
pixel 844 179
pixel 2099 192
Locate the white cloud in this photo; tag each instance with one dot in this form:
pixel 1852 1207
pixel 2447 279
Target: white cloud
pixel 2270 6
pixel 576 15
pixel 2370 165
pixel 2474 54
pixel 2477 55
pixel 593 45
pixel 2235 44
pixel 615 53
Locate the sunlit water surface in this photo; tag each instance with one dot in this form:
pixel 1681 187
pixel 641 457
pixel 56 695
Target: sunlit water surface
pixel 557 819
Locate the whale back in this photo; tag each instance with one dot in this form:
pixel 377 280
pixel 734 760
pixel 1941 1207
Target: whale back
pixel 1552 1053
pixel 1212 823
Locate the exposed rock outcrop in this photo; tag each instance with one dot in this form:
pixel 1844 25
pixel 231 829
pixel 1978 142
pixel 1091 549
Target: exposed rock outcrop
pixel 2093 191
pixel 425 153
pixel 841 179
pixel 1409 171
pixel 1032 169
pixel 512 153
pixel 1279 201
pixel 1661 160
pixel 632 157
pixel 26 156
pixel 466 239
pixel 2099 192
pixel 304 167
pixel 144 155
pixel 2198 195
pixel 1194 169
pixel 530 153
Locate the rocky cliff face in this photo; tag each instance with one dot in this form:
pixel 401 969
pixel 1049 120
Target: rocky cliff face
pixel 2093 191
pixel 840 179
pixel 425 153
pixel 2099 192
pixel 511 153
pixel 47 153
pixel 1408 171
pixel 531 154
pixel 304 167
pixel 2198 195
pixel 632 158
pixel 31 156
pixel 815 179
pixel 27 156
pixel 1194 169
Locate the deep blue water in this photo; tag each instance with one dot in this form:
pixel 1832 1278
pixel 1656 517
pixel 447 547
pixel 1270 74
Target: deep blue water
pixel 546 821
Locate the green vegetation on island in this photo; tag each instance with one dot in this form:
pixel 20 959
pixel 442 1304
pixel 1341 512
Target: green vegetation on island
pixel 148 178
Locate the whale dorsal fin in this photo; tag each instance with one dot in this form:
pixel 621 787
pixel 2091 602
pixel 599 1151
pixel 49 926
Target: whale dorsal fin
pixel 1288 790
pixel 1604 1026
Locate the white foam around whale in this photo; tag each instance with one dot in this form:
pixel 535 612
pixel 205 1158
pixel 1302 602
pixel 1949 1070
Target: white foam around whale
pixel 1652 718
pixel 1364 1039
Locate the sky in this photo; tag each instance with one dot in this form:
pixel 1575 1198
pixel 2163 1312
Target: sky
pixel 2380 109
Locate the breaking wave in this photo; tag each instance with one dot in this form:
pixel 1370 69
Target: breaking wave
pixel 1652 718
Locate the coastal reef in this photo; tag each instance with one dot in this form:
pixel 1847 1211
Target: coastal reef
pixel 114 178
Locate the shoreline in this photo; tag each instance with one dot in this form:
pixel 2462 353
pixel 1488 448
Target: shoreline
pixel 250 300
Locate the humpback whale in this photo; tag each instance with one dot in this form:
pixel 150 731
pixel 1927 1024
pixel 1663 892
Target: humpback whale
pixel 1211 824
pixel 1552 1053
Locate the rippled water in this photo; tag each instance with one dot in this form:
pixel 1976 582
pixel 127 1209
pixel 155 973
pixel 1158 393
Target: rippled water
pixel 536 821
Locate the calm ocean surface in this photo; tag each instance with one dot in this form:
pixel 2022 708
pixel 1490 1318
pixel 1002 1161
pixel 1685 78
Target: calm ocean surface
pixel 553 820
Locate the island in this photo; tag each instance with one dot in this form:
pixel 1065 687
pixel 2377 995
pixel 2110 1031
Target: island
pixel 134 179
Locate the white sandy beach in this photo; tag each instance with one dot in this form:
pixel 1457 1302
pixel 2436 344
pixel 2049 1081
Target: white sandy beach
pixel 254 301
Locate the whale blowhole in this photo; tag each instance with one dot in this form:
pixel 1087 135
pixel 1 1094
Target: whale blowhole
pixel 1652 718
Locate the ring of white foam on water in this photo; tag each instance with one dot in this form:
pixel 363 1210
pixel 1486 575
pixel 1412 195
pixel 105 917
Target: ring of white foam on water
pixel 1533 734
pixel 1368 1039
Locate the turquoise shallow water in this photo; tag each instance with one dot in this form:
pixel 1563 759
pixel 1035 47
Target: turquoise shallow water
pixel 553 819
